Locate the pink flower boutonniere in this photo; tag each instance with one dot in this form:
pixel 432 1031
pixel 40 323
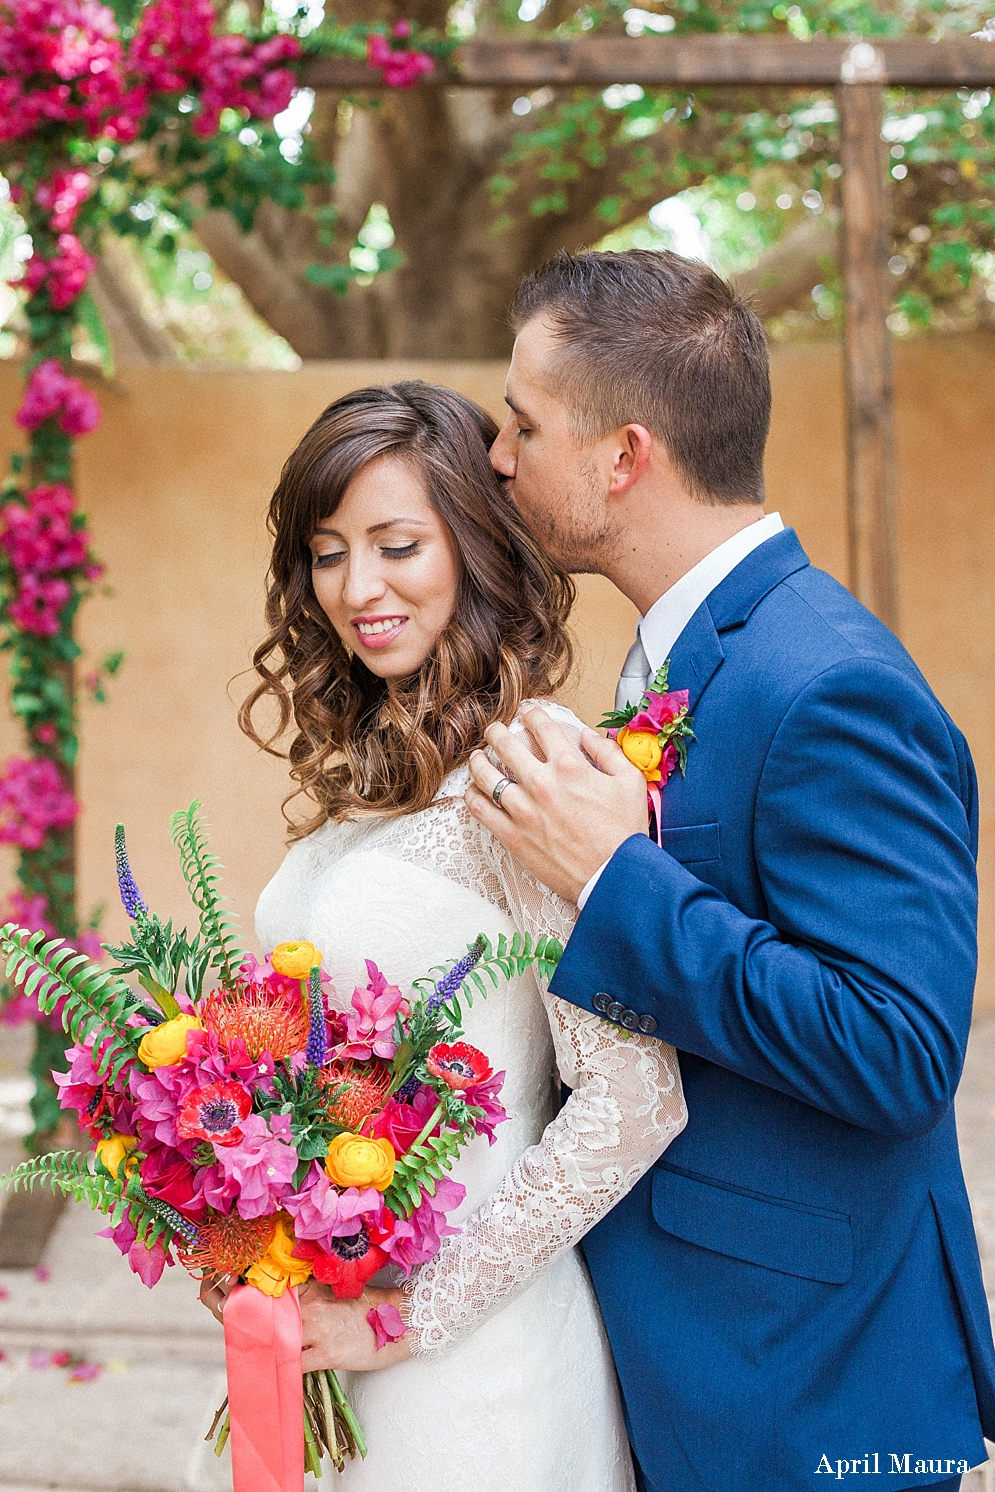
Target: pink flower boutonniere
pixel 654 734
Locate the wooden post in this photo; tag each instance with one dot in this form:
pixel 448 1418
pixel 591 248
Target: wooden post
pixel 873 545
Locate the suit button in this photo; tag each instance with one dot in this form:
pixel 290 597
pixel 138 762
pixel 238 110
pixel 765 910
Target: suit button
pixel 630 1020
pixel 615 1011
pixel 601 1002
pixel 647 1025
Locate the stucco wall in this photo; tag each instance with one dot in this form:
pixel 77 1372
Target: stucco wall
pixel 176 483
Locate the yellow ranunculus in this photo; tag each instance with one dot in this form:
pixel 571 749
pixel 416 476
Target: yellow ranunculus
pixel 166 1045
pixel 354 1160
pixel 112 1151
pixel 643 749
pixel 295 960
pixel 278 1268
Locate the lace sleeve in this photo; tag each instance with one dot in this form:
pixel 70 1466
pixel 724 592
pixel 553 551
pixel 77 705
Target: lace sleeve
pixel 626 1106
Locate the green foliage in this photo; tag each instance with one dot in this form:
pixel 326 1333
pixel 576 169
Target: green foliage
pixel 422 1168
pixel 97 1002
pixel 200 871
pixel 73 1173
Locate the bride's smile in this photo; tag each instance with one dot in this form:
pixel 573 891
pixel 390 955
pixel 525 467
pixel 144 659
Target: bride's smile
pixel 384 568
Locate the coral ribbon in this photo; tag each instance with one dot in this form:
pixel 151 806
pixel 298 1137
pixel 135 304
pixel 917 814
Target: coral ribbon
pixel 265 1390
pixel 656 804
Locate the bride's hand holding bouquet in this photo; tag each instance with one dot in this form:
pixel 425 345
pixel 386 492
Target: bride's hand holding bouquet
pixel 266 1140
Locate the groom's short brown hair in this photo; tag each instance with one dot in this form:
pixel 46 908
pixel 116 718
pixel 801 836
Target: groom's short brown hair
pixel 656 340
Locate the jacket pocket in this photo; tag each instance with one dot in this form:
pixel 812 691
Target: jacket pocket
pixel 809 1242
pixel 690 843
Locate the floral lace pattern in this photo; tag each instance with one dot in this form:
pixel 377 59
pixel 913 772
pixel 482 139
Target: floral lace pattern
pixel 626 1107
pixel 508 1303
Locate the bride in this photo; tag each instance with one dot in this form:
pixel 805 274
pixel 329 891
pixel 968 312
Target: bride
pixel 409 607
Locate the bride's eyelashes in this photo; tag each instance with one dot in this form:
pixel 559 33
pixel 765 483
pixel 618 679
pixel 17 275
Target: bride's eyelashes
pixel 402 551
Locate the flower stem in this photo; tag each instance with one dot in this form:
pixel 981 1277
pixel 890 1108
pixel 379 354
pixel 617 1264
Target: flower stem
pixel 437 1114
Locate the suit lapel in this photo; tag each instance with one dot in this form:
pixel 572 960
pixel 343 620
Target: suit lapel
pixel 696 656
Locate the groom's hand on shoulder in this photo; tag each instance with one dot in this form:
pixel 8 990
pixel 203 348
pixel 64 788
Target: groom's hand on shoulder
pixel 567 809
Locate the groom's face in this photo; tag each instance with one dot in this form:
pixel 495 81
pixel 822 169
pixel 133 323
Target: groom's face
pixel 559 482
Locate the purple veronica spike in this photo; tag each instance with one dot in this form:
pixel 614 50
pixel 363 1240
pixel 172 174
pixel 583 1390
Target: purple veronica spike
pixel 317 1041
pixel 450 983
pixel 130 895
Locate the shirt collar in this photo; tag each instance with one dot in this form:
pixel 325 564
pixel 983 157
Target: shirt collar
pixel 666 619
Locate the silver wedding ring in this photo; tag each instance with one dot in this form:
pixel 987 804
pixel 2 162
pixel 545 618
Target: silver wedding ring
pixel 499 788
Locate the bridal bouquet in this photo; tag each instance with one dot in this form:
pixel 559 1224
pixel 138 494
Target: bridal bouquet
pixel 237 1121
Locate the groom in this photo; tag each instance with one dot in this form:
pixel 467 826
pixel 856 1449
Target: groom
pixel 793 1294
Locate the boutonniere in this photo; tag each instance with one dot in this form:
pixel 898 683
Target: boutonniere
pixel 654 734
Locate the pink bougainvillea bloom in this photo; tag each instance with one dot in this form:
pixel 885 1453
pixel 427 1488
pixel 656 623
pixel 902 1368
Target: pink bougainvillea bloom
pixel 321 1212
pixel 147 1263
pixel 50 392
pixel 263 1164
pixel 42 533
pixel 4 1294
pixel 33 799
pixel 416 1239
pixel 43 1274
pixel 85 1372
pixel 386 1323
pixel 484 1096
pixel 61 1359
pixel 39 603
pixel 64 275
pixel 371 1021
pixel 214 1113
pixel 662 709
pixel 63 196
pixel 400 69
pixel 60 62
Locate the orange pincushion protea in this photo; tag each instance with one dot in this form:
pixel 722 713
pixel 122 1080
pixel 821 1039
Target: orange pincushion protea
pixel 355 1092
pixel 266 1023
pixel 230 1244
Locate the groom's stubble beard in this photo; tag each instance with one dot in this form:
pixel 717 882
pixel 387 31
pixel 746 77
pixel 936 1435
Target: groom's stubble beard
pixel 574 525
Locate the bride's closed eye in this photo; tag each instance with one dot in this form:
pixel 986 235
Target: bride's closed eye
pixel 402 551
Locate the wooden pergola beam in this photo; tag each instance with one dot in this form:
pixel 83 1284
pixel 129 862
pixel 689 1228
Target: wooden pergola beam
pixel 859 71
pixel 687 61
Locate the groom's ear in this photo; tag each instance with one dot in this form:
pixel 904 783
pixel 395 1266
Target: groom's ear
pixel 632 448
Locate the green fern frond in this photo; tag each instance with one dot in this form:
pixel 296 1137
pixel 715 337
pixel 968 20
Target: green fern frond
pixel 69 1172
pixel 97 1001
pixel 200 871
pixel 508 960
pixel 421 1169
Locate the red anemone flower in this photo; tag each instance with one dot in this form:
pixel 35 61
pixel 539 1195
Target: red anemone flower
pixel 351 1262
pixel 459 1065
pixel 214 1113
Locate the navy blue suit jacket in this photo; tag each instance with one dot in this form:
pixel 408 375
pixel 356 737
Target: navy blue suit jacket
pixel 798 1276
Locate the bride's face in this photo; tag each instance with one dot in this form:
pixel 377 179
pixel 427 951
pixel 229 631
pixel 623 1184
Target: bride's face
pixel 385 570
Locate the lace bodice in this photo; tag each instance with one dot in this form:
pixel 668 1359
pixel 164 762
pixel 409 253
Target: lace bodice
pixel 556 1176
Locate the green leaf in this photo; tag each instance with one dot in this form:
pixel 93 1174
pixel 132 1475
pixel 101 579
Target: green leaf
pixel 97 1001
pixel 200 871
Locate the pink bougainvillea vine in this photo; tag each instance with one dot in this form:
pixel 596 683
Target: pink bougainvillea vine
pixel 83 90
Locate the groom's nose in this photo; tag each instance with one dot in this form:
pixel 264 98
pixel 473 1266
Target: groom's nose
pixel 504 456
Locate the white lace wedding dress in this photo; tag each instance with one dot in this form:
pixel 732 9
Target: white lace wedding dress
pixel 512 1385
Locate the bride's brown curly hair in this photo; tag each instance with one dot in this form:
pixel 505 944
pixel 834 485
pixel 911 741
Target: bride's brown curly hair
pixel 366 745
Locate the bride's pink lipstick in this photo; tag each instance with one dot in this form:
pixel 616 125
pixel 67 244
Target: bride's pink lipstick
pixel 378 639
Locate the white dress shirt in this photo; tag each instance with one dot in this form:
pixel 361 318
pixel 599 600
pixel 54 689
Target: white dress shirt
pixel 666 619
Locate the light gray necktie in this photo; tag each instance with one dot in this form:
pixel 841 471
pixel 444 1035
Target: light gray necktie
pixel 635 676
